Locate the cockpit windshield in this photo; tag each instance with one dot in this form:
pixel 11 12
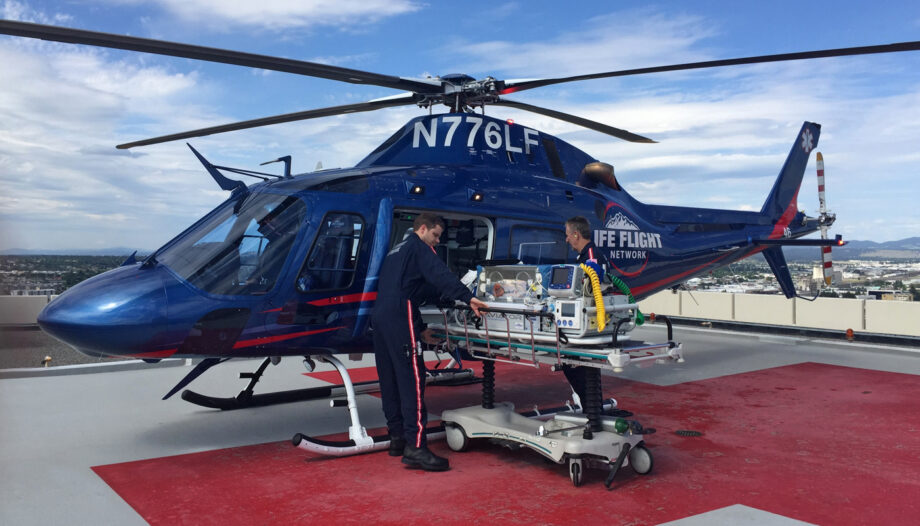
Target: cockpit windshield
pixel 241 248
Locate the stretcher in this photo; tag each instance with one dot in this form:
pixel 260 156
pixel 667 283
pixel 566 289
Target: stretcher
pixel 532 328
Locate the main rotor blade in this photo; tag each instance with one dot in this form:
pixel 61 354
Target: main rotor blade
pixel 594 125
pixel 278 119
pixel 175 49
pixel 515 86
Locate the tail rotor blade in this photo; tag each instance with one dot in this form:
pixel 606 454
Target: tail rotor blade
pixel 822 203
pixel 826 262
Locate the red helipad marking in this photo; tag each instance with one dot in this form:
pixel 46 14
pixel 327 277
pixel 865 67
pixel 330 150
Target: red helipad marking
pixel 817 443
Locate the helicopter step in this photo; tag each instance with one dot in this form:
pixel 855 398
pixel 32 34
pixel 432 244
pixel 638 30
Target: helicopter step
pixel 247 398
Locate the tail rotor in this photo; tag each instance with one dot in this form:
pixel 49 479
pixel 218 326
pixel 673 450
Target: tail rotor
pixel 825 220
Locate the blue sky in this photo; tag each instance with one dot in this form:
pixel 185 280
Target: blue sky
pixel 723 133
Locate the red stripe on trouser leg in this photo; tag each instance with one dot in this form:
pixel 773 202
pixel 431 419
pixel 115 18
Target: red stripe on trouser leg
pixel 418 392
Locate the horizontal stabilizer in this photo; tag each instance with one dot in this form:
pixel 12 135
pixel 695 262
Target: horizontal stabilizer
pixel 836 242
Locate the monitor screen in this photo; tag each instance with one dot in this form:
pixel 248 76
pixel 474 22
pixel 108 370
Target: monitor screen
pixel 560 276
pixel 567 310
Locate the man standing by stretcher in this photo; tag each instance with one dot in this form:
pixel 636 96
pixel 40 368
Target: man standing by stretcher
pixel 578 236
pixel 408 273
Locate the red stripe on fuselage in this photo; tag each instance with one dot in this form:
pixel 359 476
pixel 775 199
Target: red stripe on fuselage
pixel 780 227
pixel 280 337
pixel 348 298
pixel 661 282
pixel 166 353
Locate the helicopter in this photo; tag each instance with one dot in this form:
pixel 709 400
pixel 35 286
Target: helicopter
pixel 287 266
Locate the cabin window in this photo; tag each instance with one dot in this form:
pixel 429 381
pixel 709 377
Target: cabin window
pixel 537 245
pixel 465 242
pixel 333 258
pixel 240 248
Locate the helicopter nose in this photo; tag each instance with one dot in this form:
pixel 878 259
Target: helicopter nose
pixel 119 312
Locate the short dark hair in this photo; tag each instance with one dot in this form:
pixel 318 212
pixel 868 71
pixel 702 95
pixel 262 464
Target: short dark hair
pixel 428 219
pixel 580 225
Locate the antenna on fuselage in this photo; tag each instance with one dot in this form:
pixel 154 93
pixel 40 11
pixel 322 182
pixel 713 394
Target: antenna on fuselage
pixel 287 165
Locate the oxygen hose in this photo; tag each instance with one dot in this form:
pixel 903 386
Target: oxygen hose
pixel 640 319
pixel 598 297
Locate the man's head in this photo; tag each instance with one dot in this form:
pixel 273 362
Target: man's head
pixel 429 228
pixel 577 232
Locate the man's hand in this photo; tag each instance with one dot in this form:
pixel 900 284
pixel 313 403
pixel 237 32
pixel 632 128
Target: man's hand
pixel 477 304
pixel 428 337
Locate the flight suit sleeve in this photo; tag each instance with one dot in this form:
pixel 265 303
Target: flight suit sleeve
pixel 436 273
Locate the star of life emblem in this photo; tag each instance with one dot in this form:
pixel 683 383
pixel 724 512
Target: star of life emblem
pixel 808 141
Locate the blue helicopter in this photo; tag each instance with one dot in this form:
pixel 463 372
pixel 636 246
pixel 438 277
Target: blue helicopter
pixel 288 266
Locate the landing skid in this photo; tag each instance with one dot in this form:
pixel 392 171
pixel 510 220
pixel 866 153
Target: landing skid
pixel 247 398
pixel 242 401
pixel 344 448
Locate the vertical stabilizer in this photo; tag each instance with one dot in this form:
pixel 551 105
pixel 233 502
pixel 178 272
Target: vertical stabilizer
pixel 782 197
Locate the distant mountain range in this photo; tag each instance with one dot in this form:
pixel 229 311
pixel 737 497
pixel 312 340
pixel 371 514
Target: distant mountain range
pixel 114 251
pixel 908 248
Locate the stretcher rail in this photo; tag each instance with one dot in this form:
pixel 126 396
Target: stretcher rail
pixel 523 348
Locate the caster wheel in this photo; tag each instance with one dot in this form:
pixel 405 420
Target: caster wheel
pixel 576 472
pixel 640 459
pixel 456 437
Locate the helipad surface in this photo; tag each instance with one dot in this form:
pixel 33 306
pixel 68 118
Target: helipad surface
pixel 793 431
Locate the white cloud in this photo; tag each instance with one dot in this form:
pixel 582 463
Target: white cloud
pixel 722 143
pixel 283 14
pixel 622 40
pixel 64 181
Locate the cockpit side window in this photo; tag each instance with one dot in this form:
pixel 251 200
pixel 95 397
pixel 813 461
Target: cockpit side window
pixel 333 258
pixel 241 249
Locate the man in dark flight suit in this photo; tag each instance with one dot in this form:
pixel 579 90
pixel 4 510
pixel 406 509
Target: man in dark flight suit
pixel 578 235
pixel 409 273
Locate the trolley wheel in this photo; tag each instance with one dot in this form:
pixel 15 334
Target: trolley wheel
pixel 576 472
pixel 456 437
pixel 640 458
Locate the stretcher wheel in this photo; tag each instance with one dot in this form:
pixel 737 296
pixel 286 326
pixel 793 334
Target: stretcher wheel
pixel 456 437
pixel 575 471
pixel 640 459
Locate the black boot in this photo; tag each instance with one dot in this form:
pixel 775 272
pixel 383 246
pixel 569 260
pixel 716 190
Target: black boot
pixel 397 445
pixel 423 458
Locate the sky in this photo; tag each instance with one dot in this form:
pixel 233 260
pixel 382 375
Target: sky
pixel 723 133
